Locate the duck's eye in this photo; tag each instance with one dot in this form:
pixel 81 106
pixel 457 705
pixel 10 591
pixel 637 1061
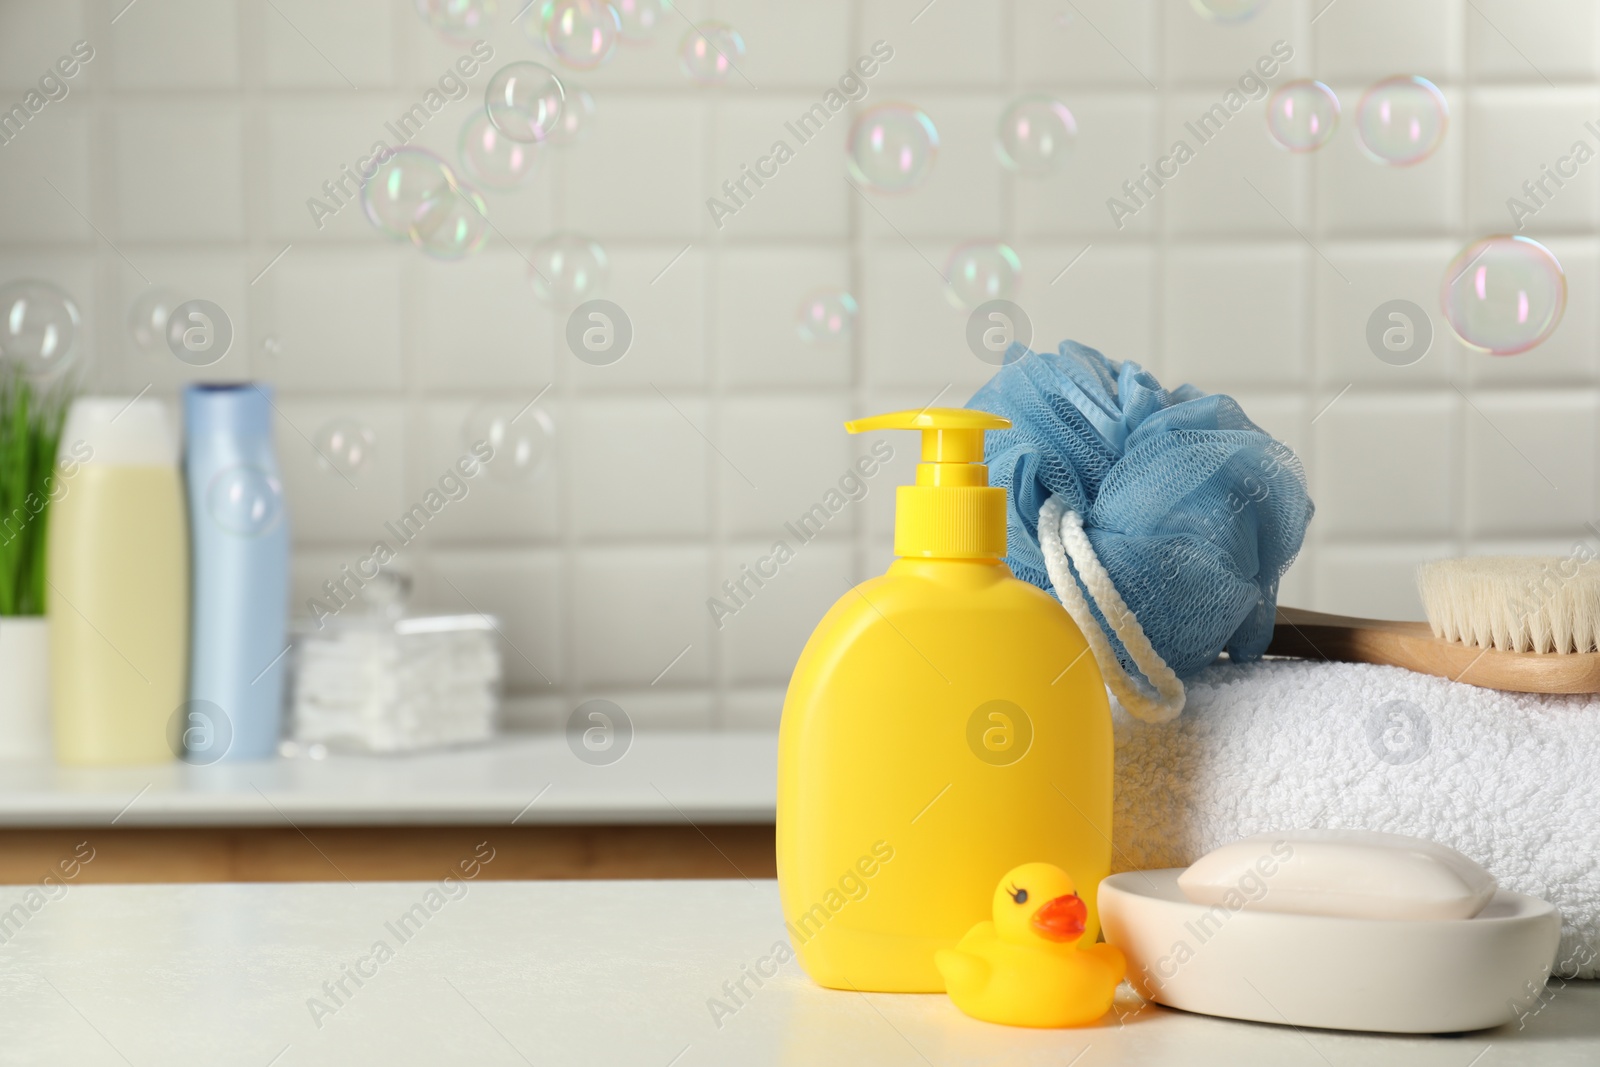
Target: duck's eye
pixel 1018 896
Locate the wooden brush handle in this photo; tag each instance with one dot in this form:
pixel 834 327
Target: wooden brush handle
pixel 1412 645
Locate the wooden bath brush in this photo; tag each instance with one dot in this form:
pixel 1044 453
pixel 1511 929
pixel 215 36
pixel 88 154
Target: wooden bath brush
pixel 1526 624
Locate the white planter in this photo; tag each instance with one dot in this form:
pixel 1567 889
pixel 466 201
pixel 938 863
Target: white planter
pixel 24 687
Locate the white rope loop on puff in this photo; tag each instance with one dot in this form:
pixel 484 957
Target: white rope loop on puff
pixel 1159 696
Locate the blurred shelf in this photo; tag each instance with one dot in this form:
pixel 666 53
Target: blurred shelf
pixel 665 778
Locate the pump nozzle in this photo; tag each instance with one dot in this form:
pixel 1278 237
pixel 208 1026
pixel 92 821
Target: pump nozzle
pixel 952 512
pixel 949 435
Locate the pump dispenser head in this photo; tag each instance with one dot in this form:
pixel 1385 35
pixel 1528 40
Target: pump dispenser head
pixel 951 512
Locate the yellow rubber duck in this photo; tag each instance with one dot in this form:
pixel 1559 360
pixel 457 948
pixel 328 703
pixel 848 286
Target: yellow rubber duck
pixel 1024 968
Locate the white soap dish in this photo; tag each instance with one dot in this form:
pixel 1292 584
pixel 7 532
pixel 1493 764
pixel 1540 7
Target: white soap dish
pixel 1408 976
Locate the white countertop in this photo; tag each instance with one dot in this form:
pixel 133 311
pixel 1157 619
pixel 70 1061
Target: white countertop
pixel 664 777
pixel 570 973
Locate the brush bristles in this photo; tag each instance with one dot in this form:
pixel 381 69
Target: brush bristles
pixel 1514 603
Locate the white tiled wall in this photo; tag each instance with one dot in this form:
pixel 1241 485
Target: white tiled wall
pixel 188 146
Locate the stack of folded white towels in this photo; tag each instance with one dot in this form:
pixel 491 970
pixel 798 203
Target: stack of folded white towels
pixel 396 685
pixel 1511 780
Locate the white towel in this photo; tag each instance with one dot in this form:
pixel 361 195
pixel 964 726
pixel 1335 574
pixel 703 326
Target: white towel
pixel 1511 780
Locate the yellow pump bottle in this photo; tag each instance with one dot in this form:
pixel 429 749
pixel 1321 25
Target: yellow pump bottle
pixel 945 723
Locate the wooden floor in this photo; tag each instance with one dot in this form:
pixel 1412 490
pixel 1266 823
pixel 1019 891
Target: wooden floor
pixel 368 854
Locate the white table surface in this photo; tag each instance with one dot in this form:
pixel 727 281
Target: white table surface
pixel 571 973
pixel 663 777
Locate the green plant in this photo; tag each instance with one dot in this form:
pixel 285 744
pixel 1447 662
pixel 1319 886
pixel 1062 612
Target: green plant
pixel 30 429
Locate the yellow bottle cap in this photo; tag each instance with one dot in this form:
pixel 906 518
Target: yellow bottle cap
pixel 951 512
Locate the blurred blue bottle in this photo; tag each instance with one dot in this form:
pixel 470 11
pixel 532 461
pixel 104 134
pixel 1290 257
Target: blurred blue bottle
pixel 240 551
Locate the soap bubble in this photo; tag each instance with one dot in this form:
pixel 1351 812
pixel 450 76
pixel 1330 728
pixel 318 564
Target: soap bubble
pixel 569 269
pixel 1400 121
pixel 641 20
pixel 452 228
pixel 980 271
pixel 492 158
pixel 524 101
pixel 582 34
pixel 344 446
pixel 826 315
pixel 461 21
pixel 537 14
pixel 522 436
pixel 1302 115
pixel 412 182
pixel 38 327
pixel 245 500
pixel 576 115
pixel 1036 135
pixel 710 52
pixel 147 318
pixel 892 147
pixel 1227 10
pixel 1504 294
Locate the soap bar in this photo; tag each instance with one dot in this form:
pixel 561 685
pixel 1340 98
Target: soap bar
pixel 1358 874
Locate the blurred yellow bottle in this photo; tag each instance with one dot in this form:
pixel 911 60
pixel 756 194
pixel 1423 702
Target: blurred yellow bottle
pixel 945 723
pixel 119 585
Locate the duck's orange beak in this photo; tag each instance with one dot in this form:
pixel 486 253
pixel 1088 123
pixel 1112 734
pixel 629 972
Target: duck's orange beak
pixel 1061 919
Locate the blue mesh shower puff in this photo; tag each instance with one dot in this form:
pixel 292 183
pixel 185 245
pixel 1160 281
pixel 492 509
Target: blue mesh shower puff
pixel 1193 510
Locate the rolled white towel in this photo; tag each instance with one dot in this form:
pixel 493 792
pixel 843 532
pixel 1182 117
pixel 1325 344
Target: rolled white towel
pixel 1511 780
